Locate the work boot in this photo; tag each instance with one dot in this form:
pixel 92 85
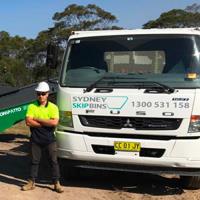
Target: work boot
pixel 57 187
pixel 29 186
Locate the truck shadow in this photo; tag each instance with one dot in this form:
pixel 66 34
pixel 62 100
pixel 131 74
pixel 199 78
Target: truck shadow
pixel 14 169
pixel 128 182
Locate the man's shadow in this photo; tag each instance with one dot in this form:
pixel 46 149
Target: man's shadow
pixel 15 161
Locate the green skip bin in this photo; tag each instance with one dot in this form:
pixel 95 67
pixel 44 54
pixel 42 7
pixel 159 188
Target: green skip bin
pixel 14 103
pixel 11 116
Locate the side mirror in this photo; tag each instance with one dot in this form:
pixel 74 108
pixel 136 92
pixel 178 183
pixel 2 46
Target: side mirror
pixel 52 56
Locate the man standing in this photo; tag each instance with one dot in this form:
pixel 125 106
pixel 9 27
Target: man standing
pixel 42 118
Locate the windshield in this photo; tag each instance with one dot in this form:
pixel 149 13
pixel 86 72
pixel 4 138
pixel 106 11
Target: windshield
pixel 162 58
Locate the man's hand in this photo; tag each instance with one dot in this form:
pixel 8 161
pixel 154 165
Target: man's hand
pixel 32 122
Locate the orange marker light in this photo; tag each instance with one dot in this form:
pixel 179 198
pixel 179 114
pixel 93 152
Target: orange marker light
pixel 195 118
pixel 191 75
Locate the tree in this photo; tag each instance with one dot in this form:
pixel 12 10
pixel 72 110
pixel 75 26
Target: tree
pixel 78 17
pixel 90 17
pixel 194 8
pixel 14 72
pixel 175 18
pixel 75 18
pixel 13 60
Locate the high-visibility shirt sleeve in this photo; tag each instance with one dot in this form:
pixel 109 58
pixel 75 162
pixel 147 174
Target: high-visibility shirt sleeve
pixel 54 112
pixel 30 111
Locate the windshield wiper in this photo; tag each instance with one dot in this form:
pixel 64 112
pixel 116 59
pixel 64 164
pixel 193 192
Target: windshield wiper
pixel 90 87
pixel 151 86
pixel 162 88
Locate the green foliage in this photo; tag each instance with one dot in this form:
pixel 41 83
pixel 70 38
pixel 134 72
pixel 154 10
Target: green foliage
pixel 13 69
pixel 77 17
pixel 175 19
pixel 22 61
pixel 90 17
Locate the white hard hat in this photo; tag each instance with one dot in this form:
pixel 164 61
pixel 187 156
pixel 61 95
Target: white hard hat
pixel 42 87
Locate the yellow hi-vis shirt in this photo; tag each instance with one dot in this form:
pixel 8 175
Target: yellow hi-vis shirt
pixel 49 111
pixel 45 134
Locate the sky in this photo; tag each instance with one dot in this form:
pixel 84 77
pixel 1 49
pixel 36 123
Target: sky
pixel 28 17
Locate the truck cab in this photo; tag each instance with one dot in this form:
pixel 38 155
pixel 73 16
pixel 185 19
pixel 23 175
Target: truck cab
pixel 129 100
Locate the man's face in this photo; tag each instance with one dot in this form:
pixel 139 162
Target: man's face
pixel 42 96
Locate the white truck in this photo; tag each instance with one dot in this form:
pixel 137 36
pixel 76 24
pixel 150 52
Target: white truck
pixel 130 100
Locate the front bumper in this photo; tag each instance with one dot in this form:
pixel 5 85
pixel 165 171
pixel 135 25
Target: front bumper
pixel 178 154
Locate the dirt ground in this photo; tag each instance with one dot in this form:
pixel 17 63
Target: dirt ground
pixel 14 168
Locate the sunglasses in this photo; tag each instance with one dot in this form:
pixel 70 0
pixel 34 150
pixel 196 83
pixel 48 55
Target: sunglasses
pixel 41 93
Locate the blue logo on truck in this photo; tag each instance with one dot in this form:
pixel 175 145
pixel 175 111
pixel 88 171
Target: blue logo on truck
pixel 99 102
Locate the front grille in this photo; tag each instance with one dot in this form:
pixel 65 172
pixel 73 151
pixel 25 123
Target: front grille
pixel 136 123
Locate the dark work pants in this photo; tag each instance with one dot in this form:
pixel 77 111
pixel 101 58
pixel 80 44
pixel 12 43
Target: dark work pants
pixel 36 152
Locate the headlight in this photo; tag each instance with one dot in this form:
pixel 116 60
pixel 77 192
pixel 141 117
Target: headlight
pixel 66 118
pixel 194 124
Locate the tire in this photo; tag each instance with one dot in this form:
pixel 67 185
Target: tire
pixel 190 182
pixel 68 171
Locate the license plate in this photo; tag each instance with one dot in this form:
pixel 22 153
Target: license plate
pixel 127 146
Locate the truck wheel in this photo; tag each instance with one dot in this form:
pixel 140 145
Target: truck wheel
pixel 190 182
